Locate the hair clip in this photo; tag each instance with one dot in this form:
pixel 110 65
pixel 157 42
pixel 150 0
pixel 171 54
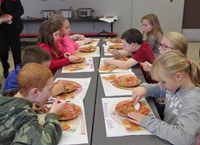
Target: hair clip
pixel 189 61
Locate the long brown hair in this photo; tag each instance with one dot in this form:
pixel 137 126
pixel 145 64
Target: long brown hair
pixel 157 30
pixel 45 35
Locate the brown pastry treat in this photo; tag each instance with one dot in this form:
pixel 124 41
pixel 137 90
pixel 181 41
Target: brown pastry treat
pixel 86 49
pixel 116 46
pixel 70 111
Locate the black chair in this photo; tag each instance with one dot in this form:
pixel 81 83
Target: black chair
pixel 9 93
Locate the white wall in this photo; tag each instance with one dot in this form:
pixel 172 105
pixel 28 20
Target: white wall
pixel 129 12
pixel 170 14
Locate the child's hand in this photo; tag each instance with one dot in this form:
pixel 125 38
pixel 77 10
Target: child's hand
pixel 56 106
pixel 40 108
pixel 58 88
pixel 67 54
pixel 80 37
pixel 87 40
pixel 146 66
pixel 135 117
pixel 73 58
pixel 115 53
pixel 138 93
pixel 106 61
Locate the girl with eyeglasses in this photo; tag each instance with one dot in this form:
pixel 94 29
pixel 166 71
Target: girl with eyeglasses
pixel 170 41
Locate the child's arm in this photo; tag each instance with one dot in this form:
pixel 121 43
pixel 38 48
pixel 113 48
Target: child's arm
pixel 184 129
pixel 119 53
pixel 154 90
pixel 146 66
pixel 35 134
pixel 122 64
pixel 138 93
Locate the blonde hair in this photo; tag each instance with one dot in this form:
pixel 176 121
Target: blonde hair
pixel 32 75
pixel 178 41
pixel 157 30
pixel 168 64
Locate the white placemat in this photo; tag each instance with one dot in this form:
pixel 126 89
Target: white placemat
pixel 86 66
pixel 84 82
pixel 115 70
pixel 110 89
pixel 113 123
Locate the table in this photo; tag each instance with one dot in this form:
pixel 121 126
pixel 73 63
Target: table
pixel 99 131
pixel 94 111
pixel 90 98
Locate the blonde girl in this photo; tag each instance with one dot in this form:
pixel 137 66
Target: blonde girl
pixel 152 30
pixel 179 80
pixel 49 33
pixel 170 41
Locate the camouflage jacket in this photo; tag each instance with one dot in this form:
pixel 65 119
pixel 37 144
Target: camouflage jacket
pixel 19 124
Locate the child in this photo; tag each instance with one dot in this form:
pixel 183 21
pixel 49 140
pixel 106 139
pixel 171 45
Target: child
pixel 152 29
pixel 170 41
pixel 180 82
pixel 33 54
pixel 66 43
pixel 134 45
pixel 18 121
pixel 49 33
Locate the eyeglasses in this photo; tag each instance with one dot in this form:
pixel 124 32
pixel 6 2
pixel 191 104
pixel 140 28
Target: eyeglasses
pixel 164 47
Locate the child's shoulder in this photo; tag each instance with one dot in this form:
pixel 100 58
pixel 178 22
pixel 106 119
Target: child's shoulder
pixel 145 45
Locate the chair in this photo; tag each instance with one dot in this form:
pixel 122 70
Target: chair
pixel 9 93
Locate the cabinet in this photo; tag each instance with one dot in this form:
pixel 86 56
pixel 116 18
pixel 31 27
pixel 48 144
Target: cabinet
pixel 90 27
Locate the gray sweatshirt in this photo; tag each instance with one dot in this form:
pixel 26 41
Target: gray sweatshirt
pixel 181 123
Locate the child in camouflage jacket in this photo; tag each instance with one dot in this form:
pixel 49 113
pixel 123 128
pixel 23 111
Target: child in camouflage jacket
pixel 18 120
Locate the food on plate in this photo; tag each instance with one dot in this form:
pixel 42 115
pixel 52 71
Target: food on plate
pixel 89 48
pixel 125 107
pixel 109 16
pixel 107 67
pixel 99 17
pixel 70 86
pixel 75 67
pixel 64 125
pixel 127 81
pixel 70 111
pixel 129 125
pixel 79 60
pixel 116 40
pixel 116 46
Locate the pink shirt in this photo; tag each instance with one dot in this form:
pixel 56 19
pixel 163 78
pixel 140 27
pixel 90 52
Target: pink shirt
pixel 66 44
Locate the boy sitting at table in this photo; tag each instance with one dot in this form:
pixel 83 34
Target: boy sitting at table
pixel 134 47
pixel 31 54
pixel 18 121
